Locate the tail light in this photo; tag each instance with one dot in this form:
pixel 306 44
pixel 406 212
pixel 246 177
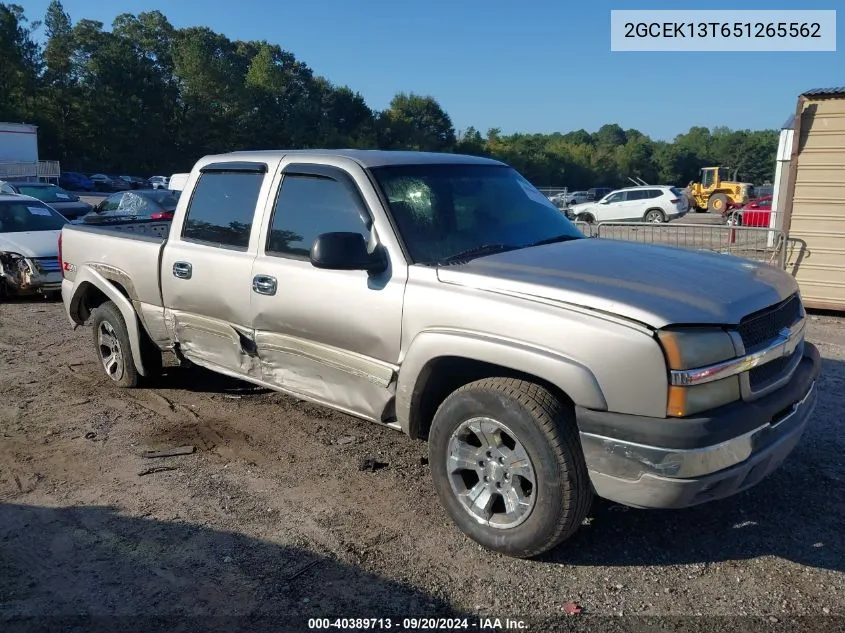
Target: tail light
pixel 675 201
pixel 162 215
pixel 61 262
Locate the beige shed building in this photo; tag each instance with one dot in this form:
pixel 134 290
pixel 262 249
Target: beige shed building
pixel 814 201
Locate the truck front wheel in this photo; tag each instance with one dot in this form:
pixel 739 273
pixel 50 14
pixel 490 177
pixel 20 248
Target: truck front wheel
pixel 111 340
pixel 507 465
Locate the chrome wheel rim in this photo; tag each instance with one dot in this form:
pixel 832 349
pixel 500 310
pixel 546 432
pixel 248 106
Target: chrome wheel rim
pixel 490 473
pixel 111 355
pixel 654 216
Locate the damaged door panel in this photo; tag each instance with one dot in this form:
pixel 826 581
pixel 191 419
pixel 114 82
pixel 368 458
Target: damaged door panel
pixel 351 382
pixel 332 335
pixel 213 343
pixel 206 272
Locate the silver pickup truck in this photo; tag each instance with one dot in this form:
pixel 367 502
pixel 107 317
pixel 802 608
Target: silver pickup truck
pixel 444 296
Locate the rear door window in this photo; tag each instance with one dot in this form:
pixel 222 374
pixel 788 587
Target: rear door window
pixel 222 208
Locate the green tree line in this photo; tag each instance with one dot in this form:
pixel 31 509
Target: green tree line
pixel 144 97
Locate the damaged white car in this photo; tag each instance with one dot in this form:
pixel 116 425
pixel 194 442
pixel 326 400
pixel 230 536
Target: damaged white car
pixel 29 234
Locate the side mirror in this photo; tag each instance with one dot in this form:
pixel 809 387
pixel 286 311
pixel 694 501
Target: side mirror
pixel 346 251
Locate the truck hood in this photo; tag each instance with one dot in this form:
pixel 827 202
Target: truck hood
pixel 654 285
pixel 31 243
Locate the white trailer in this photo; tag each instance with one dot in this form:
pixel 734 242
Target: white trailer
pixel 18 143
pixel 19 154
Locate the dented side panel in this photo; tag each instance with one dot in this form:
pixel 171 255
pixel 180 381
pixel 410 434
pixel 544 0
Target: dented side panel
pixel 353 382
pixel 206 312
pixel 205 339
pixel 153 318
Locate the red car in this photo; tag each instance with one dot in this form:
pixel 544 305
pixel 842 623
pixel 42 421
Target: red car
pixel 755 213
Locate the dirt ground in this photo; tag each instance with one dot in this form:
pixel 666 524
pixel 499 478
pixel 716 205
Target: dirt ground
pixel 272 515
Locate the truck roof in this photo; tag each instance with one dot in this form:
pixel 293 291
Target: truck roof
pixel 364 157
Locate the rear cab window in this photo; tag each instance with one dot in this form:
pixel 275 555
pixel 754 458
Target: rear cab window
pixel 223 205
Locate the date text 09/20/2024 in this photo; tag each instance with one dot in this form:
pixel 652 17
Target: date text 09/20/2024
pixel 417 624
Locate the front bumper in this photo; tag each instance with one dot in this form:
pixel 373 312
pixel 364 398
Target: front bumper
pixel 30 280
pixel 675 463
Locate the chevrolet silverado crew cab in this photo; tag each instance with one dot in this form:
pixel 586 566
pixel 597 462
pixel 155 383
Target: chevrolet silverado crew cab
pixel 444 296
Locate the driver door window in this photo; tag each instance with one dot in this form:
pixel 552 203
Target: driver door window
pixel 308 206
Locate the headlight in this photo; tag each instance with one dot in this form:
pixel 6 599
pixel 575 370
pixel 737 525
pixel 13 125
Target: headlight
pixel 691 348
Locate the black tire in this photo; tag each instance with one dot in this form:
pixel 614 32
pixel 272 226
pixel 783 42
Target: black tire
pixel 585 217
pixel 107 316
pixel 654 215
pixel 717 203
pixel 546 429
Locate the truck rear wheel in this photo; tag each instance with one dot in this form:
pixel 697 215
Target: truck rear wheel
pixel 111 340
pixel 507 465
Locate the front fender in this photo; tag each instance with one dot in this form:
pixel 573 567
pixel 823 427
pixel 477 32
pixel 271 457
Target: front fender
pixel 573 378
pixel 87 276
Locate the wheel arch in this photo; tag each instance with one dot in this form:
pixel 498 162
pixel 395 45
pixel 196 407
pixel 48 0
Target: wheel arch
pixel 437 363
pixel 92 289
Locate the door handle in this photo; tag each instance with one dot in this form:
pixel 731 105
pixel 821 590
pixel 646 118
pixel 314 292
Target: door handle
pixel 264 285
pixel 182 270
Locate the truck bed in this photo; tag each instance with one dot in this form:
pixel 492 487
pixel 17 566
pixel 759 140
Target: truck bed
pixel 155 228
pixel 126 254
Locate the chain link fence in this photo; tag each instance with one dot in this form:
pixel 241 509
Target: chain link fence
pixel 753 243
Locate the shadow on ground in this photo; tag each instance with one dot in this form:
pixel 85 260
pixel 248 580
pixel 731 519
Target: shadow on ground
pixel 190 377
pixel 124 573
pixel 797 513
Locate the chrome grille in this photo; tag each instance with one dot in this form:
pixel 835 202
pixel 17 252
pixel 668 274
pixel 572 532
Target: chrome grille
pixel 761 327
pixel 762 376
pixel 48 264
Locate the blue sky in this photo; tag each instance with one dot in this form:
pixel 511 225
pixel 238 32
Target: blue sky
pixel 538 66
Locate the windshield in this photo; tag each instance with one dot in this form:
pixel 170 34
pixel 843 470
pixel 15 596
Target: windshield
pixel 444 210
pixel 19 217
pixel 47 193
pixel 165 197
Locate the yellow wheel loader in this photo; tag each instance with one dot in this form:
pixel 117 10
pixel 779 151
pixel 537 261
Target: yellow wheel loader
pixel 717 191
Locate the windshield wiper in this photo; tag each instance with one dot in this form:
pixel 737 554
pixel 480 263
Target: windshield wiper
pixel 553 240
pixel 477 251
